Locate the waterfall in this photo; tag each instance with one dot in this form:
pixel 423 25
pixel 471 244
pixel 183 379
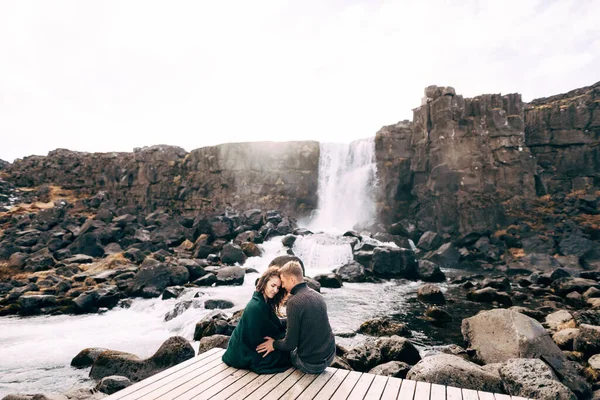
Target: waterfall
pixel 347 177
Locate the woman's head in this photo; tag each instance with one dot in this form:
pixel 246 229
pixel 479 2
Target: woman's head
pixel 269 284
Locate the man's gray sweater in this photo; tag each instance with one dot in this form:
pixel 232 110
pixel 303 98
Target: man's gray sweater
pixel 308 328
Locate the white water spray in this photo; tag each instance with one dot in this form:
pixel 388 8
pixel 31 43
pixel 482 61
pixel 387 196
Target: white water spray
pixel 347 177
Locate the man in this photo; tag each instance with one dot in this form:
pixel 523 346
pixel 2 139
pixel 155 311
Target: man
pixel 308 338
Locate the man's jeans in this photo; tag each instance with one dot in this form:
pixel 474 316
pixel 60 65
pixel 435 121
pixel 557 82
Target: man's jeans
pixel 310 368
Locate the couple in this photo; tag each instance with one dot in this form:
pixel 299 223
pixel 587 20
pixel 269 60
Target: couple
pixel 261 342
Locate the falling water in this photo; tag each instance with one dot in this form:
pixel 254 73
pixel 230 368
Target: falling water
pixel 347 176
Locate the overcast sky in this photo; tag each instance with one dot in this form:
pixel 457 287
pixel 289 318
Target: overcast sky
pixel 114 75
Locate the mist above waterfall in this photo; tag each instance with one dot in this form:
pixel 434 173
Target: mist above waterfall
pixel 347 177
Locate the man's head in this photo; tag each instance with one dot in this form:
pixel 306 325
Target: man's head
pixel 280 261
pixel 291 275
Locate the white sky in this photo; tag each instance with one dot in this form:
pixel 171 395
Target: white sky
pixel 114 75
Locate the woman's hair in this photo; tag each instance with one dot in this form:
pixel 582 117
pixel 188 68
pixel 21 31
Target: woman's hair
pixel 276 302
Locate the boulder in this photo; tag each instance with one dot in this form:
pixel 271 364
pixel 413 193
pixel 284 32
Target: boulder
pixel 288 240
pixel 40 261
pixel 446 256
pixel 594 362
pixel 559 320
pixel 499 335
pixel 233 254
pixel 172 292
pixel 431 294
pixel 451 370
pixel 490 295
pixel 153 277
pixel 86 357
pixel 172 352
pixel 364 357
pixel 213 304
pixel 532 378
pixel 430 272
pixel 588 340
pixel 251 249
pixel 352 272
pixel 112 384
pixel 437 315
pixel 33 304
pixel 396 348
pixel 210 342
pixel 565 338
pixel 564 286
pixel 230 276
pixel 384 326
pixel 389 262
pixel 212 324
pixel 207 280
pixel 430 241
pixel 180 308
pixel 396 369
pixel 330 280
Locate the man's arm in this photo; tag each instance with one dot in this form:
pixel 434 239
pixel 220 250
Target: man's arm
pixel 292 335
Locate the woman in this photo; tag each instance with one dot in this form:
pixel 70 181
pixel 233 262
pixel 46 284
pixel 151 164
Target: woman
pixel 258 321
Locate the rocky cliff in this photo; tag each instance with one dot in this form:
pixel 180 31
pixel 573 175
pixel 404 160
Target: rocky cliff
pixel 563 133
pixel 237 175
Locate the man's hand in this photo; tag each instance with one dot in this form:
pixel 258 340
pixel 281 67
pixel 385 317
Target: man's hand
pixel 266 347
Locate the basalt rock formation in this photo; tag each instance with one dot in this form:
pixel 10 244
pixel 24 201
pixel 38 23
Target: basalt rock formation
pixel 280 176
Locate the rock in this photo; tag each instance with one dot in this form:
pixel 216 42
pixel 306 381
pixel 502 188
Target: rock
pixel 210 342
pixel 153 277
pixel 233 254
pixel 532 378
pixel 311 283
pixel 396 348
pixel 391 262
pixel 172 352
pixel 446 256
pixel 212 324
pixel 251 249
pixel 207 280
pixel 559 319
pixel 86 357
pixel 340 363
pixel 535 314
pixel 431 294
pixel 447 369
pixel 172 292
pixel 40 261
pixel 564 286
pixel 594 362
pixel 384 327
pixel 499 335
pixel 541 262
pixel 429 241
pixel 564 338
pixel 79 259
pixel 437 315
pixel 588 340
pixel 212 304
pixel 591 293
pixel 17 260
pixel 363 357
pixel 33 304
pixel 490 295
pixel 230 276
pixel 396 369
pixel 112 384
pixel 352 272
pixel 430 272
pixel 289 240
pixel 500 283
pixel 180 308
pixel 330 280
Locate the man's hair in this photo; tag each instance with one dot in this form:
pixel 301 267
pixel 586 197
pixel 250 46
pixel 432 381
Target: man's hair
pixel 282 260
pixel 294 269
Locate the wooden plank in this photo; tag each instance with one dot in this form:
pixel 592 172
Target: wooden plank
pixel 316 385
pixel 192 362
pixel 347 385
pixel 498 396
pixel 284 386
pixel 453 393
pixel 299 387
pixel 469 394
pixel 376 389
pixel 485 395
pixel 392 387
pixel 407 390
pixel 274 383
pixel 518 398
pixel 422 391
pixel 362 387
pixel 332 385
pixel 438 392
pixel 246 380
pixel 207 388
pixel 181 385
pixel 254 385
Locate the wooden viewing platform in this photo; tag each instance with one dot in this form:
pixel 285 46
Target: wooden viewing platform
pixel 207 377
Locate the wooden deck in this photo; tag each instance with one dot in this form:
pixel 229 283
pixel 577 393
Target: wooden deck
pixel 207 377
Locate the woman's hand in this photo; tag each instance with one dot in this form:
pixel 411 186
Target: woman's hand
pixel 266 347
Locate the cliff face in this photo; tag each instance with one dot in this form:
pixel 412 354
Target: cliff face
pixel 239 175
pixel 461 160
pixel 563 133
